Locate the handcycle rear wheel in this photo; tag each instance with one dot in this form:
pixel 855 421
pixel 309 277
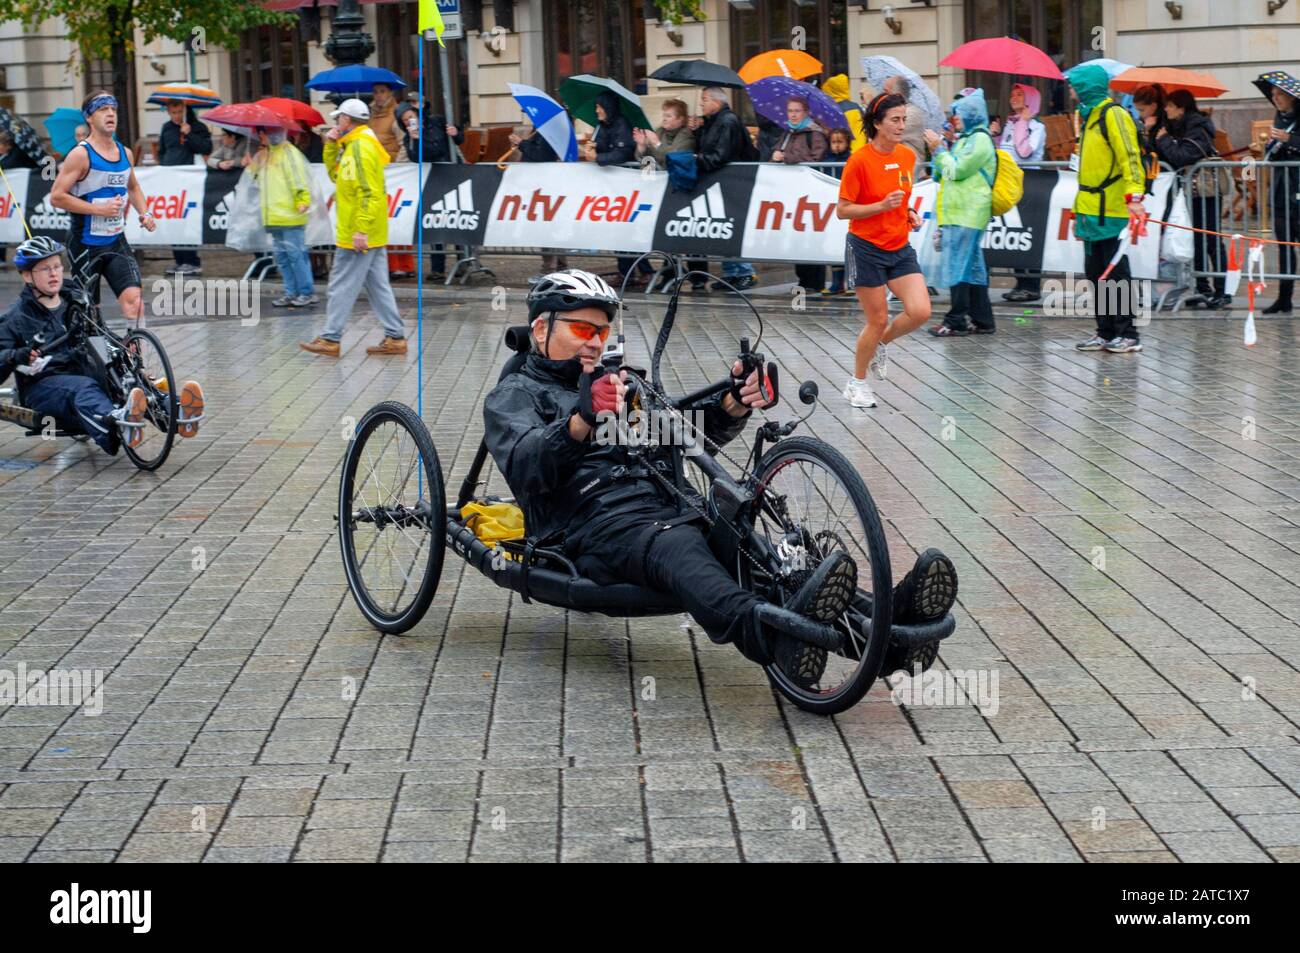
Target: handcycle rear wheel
pixel 145 363
pixel 813 501
pixel 392 517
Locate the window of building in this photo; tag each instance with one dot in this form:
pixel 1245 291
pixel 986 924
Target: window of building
pixel 1066 30
pixel 820 27
pixel 604 37
pixel 271 61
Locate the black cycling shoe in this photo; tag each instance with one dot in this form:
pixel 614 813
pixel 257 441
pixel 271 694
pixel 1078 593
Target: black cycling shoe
pixel 928 591
pixel 824 597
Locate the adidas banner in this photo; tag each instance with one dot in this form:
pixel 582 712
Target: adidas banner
pixel 218 195
pixel 712 216
pixel 456 201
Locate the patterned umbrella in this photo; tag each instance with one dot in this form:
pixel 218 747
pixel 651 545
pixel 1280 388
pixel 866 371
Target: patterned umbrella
pixel 25 139
pixel 191 94
pixel 770 96
pixel 877 69
pixel 549 120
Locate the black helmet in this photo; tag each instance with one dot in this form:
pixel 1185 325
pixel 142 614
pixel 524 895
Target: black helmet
pixel 569 291
pixel 35 250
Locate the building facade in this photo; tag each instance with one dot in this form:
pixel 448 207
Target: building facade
pixel 541 42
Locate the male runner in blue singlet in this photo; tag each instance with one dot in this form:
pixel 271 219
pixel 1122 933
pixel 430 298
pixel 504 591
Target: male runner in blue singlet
pixel 95 184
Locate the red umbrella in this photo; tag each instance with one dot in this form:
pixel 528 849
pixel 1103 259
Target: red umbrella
pixel 293 109
pixel 1001 54
pixel 242 117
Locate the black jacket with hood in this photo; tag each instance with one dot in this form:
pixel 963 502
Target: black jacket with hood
pixel 1285 181
pixel 1186 141
pixel 171 151
pixel 19 327
pixel 614 142
pixel 561 484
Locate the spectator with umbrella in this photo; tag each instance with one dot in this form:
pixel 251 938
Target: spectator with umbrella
pixel 613 145
pixel 432 143
pixel 966 171
pixel 803 141
pixel 281 172
pixel 1283 91
pixel 182 138
pixel 232 152
pixel 1024 138
pixel 552 140
pixel 11 157
pixel 721 138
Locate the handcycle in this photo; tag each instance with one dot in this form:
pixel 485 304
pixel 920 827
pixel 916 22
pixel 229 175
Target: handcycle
pixel 793 501
pixel 118 363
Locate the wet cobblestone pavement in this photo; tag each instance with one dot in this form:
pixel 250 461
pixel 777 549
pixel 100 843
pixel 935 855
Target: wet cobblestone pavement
pixel 1126 529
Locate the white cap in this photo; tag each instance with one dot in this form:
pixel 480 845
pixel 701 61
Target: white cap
pixel 354 108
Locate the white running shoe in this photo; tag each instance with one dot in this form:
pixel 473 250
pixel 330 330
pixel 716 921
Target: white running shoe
pixel 858 393
pixel 880 363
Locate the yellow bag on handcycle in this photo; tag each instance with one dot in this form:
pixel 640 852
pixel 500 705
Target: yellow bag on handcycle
pixel 494 522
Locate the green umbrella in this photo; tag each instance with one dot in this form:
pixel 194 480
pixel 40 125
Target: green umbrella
pixel 579 94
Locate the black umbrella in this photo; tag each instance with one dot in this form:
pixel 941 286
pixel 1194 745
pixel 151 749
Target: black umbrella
pixel 698 73
pixel 24 136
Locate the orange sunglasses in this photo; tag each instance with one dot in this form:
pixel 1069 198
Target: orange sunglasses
pixel 585 330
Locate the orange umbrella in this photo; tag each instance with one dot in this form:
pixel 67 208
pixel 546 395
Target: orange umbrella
pixel 1198 84
pixel 795 64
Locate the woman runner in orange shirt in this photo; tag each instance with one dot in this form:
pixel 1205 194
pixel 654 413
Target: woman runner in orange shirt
pixel 874 197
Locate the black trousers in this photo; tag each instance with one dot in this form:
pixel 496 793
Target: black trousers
pixel 1286 226
pixel 1027 280
pixel 812 277
pixel 1208 253
pixel 1112 305
pixel 632 547
pixel 186 256
pixel 969 301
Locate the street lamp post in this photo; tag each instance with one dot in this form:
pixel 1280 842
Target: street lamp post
pixel 349 42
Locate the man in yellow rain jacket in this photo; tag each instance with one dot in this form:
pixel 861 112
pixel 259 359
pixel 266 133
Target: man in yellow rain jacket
pixel 281 171
pixel 355 160
pixel 1111 185
pixel 837 88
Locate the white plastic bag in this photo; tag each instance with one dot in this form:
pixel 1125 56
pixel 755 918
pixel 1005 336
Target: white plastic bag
pixel 1178 244
pixel 320 227
pixel 244 231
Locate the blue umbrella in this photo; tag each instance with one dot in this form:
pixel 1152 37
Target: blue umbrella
pixel 62 126
pixel 357 78
pixel 877 69
pixel 771 93
pixel 549 119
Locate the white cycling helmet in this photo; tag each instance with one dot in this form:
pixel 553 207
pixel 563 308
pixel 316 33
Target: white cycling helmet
pixel 570 290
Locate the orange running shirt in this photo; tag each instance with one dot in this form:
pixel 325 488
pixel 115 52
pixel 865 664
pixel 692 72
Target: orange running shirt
pixel 868 177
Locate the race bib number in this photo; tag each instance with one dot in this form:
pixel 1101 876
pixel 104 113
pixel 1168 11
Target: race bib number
pixel 106 225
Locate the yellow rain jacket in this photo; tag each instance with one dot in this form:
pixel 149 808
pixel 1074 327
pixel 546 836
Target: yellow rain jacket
pixel 285 184
pixel 837 88
pixel 1110 160
pixel 355 164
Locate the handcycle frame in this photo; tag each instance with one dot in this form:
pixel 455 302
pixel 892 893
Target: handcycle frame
pixel 539 570
pixel 110 356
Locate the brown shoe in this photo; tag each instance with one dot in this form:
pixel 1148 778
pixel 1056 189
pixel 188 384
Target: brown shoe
pixel 191 404
pixel 321 346
pixel 388 346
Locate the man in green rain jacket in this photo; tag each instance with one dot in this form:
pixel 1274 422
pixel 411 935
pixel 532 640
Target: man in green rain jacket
pixel 1111 184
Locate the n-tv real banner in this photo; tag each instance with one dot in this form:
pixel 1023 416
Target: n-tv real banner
pixel 768 212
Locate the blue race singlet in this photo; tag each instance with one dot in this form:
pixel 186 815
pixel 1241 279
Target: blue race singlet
pixel 103 180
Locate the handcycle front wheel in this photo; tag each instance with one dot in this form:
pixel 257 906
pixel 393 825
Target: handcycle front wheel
pixel 810 502
pixel 392 517
pixel 146 364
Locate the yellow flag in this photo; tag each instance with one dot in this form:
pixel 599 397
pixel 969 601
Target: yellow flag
pixel 431 19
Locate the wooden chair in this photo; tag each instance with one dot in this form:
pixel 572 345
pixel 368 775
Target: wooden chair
pixel 472 147
pixel 497 143
pixel 1060 137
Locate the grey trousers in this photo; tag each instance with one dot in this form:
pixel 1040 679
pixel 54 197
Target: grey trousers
pixel 352 271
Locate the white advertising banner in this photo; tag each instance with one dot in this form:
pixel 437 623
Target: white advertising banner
pixel 575 205
pixel 792 216
pixel 174 196
pixel 12 207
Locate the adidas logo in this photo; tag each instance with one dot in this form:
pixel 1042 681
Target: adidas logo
pixel 454 210
pixel 220 216
pixel 705 217
pixel 47 218
pixel 1008 232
